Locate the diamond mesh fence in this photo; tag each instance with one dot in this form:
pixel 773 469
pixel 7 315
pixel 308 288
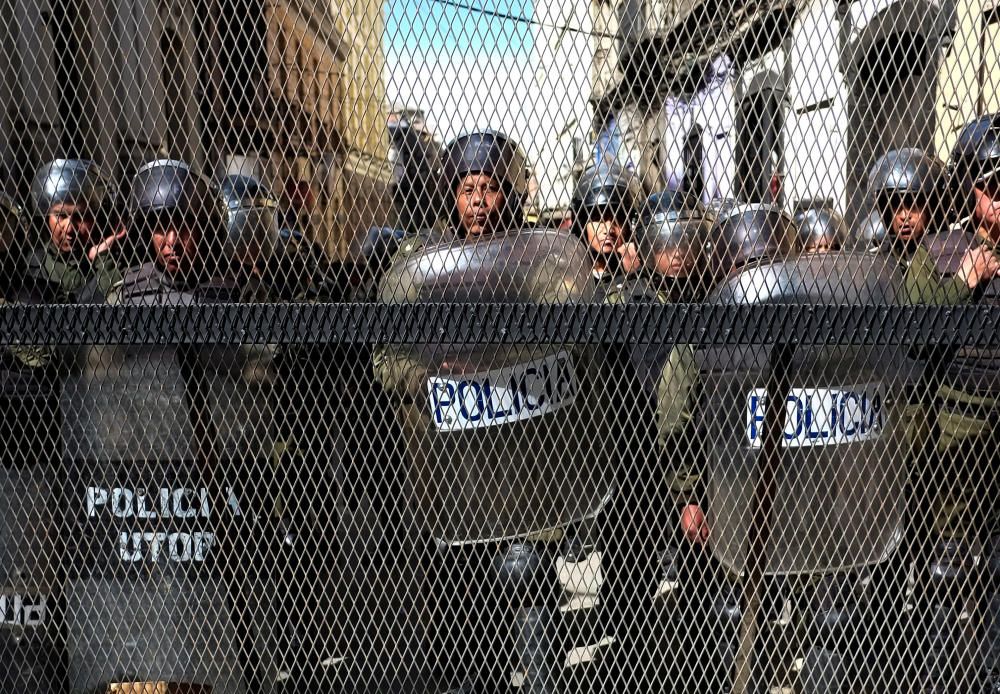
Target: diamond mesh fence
pixel 491 346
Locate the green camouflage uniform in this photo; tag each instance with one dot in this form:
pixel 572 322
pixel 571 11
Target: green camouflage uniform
pixel 968 402
pixel 75 280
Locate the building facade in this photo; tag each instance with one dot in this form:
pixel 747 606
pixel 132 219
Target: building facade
pixel 809 96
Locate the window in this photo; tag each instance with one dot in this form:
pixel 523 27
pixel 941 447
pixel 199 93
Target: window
pixel 175 91
pixel 62 24
pixel 758 153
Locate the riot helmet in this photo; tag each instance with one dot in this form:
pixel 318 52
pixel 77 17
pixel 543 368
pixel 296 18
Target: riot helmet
pixel 975 165
pixel 181 214
pixel 379 246
pixel 71 198
pixel 606 202
pixel 821 229
pixel 749 233
pixel 907 186
pixel 417 191
pixel 606 189
pixel 721 207
pixel 251 221
pixel 495 201
pixel 673 236
pixel 870 234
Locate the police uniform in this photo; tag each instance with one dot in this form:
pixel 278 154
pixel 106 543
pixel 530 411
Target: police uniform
pixel 743 236
pixel 943 418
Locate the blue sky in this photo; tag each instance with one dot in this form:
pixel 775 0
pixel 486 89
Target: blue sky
pixel 427 27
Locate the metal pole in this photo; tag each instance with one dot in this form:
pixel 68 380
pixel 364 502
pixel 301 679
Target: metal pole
pixel 759 533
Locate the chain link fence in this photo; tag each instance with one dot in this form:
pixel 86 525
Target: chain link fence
pixel 495 346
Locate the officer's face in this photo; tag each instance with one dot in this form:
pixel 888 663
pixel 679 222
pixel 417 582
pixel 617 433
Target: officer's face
pixel 822 244
pixel 605 234
pixel 674 262
pixel 176 246
pixel 480 200
pixel 910 219
pixel 70 226
pixel 988 209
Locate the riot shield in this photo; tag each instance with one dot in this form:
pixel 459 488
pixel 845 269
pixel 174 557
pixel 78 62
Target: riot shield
pixel 30 537
pixel 839 488
pixel 490 427
pixel 163 455
pixel 29 595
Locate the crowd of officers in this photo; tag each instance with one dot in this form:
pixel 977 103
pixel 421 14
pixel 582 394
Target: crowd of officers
pixel 174 230
pixel 936 223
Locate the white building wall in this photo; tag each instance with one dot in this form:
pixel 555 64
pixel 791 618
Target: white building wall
pixel 558 101
pixel 541 100
pixel 816 117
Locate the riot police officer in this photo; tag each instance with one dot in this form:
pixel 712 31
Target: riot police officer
pixel 180 214
pixel 715 416
pixel 486 175
pixel 908 188
pixel 164 444
pixel 821 229
pixel 674 238
pixel 606 204
pixel 254 244
pixel 31 636
pixel 251 221
pixel 746 234
pixel 487 487
pixel 962 507
pixel 870 234
pixel 73 206
pixel 641 549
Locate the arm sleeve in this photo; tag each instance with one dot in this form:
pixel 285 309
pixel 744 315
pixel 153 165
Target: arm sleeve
pixel 676 395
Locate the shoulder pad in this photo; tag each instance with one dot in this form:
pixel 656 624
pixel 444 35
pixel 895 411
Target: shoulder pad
pixel 137 282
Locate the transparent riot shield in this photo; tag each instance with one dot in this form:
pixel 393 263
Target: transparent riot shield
pixel 495 433
pixel 839 488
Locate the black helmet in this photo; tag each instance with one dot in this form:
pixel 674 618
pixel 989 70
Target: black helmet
pixel 674 221
pixel 975 157
pixel 820 227
pixel 606 187
pixel 252 217
pixel 417 193
pixel 170 189
pixel 908 172
pixel 721 207
pixel 379 246
pixel 487 152
pixel 168 186
pixel 747 233
pixel 69 181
